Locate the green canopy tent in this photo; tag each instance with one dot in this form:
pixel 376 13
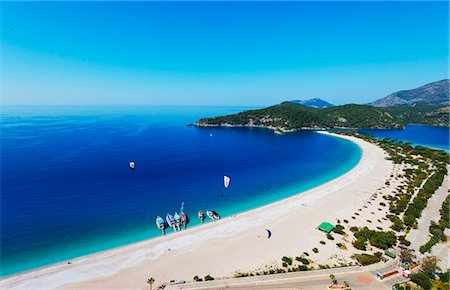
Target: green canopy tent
pixel 326 227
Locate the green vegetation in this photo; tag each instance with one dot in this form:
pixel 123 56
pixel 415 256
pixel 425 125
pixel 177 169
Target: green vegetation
pixel 286 261
pixel 291 116
pixel 444 277
pixel 315 250
pixel 415 208
pixel 428 245
pixel 339 230
pixel 378 239
pixel 150 282
pixel 425 114
pixel 437 229
pixel 397 224
pixel 402 240
pixel 302 260
pixel 422 280
pixel 208 278
pixel 429 265
pixel 366 259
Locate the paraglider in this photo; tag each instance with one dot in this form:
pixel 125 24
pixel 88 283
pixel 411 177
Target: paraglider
pixel 269 233
pixel 226 181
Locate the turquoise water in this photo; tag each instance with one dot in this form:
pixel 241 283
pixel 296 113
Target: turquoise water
pixel 67 190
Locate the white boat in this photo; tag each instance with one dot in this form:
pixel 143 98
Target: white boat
pixel 160 223
pixel 226 181
pixel 201 216
pixel 171 221
pixel 213 215
pixel 132 164
pixel 183 217
pixel 177 218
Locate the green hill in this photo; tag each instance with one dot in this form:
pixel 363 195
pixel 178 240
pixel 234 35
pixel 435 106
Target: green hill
pixel 288 116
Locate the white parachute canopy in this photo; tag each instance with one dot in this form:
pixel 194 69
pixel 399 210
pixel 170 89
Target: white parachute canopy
pixel 226 181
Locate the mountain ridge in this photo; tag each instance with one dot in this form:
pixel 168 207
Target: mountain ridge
pixel 313 103
pixel 435 93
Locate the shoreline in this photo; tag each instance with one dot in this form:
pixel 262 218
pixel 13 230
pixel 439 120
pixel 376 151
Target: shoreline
pixel 195 243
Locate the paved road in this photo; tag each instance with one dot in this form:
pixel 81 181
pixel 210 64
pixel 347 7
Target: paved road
pixel 358 279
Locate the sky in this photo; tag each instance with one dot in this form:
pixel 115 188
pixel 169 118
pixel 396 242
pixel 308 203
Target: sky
pixel 218 53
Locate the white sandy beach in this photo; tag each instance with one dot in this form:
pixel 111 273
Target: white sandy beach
pixel 237 243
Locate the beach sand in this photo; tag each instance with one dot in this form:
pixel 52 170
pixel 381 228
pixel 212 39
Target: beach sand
pixel 236 243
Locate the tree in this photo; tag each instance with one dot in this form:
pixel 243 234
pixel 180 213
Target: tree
pixel 422 280
pixel 406 256
pixel 333 279
pixel 429 265
pixel 150 282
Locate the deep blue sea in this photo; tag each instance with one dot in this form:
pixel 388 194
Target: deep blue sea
pixel 430 136
pixel 67 190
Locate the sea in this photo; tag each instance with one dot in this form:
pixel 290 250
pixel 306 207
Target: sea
pixel 430 136
pixel 67 189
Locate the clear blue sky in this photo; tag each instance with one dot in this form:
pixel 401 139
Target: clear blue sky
pixel 210 53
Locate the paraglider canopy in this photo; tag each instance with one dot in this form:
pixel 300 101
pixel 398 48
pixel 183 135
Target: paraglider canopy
pixel 269 233
pixel 226 181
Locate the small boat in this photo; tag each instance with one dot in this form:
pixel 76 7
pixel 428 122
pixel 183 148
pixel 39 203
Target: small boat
pixel 170 221
pixel 177 218
pixel 226 181
pixel 132 164
pixel 183 217
pixel 201 216
pixel 160 223
pixel 213 215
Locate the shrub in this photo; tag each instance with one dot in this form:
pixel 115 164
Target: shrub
pixel 404 241
pixel 339 230
pixel 302 260
pixel 302 268
pixel 197 279
pixel 444 276
pixel 330 237
pixel 341 246
pixel 428 245
pixel 366 259
pixel 287 260
pixel 397 224
pixel 208 278
pixel 322 242
pixel 360 245
pixel 315 250
pixel 422 280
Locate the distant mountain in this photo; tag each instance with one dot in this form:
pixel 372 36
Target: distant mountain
pixel 436 93
pixel 313 103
